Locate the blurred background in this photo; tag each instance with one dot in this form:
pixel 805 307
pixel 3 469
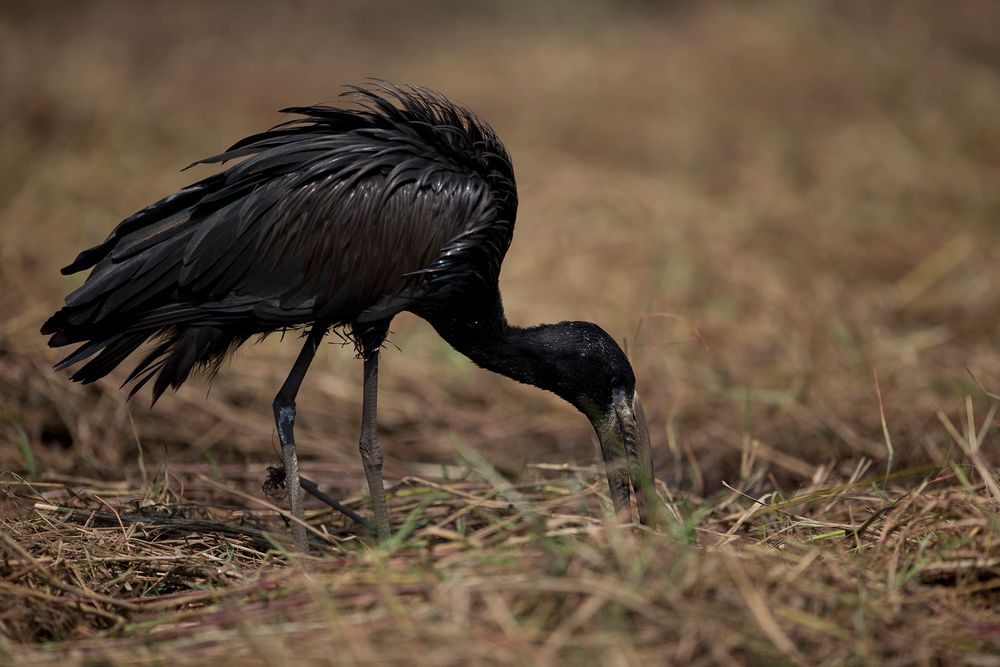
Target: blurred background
pixel 767 203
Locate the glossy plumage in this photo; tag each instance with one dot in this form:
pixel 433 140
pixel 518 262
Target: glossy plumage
pixel 298 232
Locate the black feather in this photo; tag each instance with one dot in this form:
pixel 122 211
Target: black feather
pixel 342 215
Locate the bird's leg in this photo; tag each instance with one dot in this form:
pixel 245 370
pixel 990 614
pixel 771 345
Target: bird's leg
pixel 284 419
pixel 371 452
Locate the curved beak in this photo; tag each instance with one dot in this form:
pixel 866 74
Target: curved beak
pixel 627 454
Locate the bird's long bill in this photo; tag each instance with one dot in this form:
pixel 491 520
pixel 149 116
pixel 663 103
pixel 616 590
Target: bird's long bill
pixel 627 454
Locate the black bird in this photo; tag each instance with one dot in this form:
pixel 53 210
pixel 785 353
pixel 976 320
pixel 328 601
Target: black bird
pixel 343 218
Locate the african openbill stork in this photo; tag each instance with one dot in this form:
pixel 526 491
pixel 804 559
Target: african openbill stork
pixel 342 218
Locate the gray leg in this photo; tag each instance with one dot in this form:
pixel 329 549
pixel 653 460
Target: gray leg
pixel 284 418
pixel 371 452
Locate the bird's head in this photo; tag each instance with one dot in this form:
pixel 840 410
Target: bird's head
pixel 584 365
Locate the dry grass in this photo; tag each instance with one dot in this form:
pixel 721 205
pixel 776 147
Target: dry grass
pixel 489 572
pixel 788 211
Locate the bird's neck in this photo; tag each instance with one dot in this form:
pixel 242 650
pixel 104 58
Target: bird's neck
pixel 481 332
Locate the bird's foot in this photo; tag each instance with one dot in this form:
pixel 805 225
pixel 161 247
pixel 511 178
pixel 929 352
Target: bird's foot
pixel 274 487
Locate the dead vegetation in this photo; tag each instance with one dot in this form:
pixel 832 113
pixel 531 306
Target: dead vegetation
pixel 788 211
pixel 483 571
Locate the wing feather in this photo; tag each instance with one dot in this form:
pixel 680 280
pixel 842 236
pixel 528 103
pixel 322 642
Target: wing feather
pixel 342 215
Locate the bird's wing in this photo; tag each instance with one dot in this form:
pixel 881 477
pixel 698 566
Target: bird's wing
pixel 343 216
pixel 366 225
pixel 332 219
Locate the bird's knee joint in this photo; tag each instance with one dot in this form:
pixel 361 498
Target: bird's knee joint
pixel 371 453
pixel 284 411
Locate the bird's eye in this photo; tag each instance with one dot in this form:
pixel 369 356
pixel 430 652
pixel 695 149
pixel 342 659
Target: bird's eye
pixel 616 381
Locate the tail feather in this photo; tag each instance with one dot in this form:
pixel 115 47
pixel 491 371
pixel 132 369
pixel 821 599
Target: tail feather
pixel 150 365
pixel 184 354
pixel 112 352
pixel 85 351
pixel 204 347
pixel 182 350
